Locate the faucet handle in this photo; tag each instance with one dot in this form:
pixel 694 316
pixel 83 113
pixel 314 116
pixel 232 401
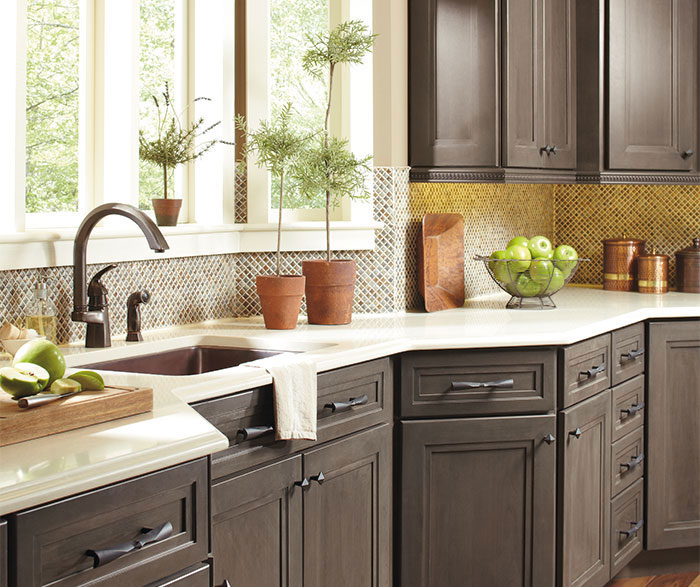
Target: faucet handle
pixel 97 292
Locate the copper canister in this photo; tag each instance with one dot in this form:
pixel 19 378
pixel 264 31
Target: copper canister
pixel 620 263
pixel 652 273
pixel 688 268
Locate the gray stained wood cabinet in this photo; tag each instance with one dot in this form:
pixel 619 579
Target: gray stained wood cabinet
pixel 653 85
pixel 478 502
pixel 584 493
pixel 315 519
pixel 3 553
pixel 673 412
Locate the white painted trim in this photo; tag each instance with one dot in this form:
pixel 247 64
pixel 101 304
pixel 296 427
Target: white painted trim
pixel 33 249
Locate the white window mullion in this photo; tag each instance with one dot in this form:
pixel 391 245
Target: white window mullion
pixel 87 188
pixel 13 41
pixel 116 101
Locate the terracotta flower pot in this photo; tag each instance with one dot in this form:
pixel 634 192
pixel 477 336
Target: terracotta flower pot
pixel 330 286
pixel 280 298
pixel 166 210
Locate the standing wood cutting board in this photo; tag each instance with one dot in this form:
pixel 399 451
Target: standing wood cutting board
pixel 83 409
pixel 441 261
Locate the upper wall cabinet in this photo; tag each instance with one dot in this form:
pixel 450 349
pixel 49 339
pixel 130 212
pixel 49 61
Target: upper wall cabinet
pixel 653 84
pixel 492 85
pixel 637 80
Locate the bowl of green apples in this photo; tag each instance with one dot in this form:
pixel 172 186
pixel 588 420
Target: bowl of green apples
pixel 531 270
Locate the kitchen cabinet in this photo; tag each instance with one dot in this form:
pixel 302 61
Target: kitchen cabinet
pixel 3 553
pixel 673 412
pixel 539 58
pixel 491 86
pixel 321 518
pixel 478 501
pixel 653 85
pixel 584 493
pixel 68 542
pixel 196 576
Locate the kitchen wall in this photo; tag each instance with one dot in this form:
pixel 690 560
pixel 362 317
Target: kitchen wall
pixel 209 287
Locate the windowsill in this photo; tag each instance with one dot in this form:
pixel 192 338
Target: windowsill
pixel 51 248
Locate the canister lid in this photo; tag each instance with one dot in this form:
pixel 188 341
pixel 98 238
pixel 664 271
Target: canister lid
pixel 692 251
pixel 623 241
pixel 652 255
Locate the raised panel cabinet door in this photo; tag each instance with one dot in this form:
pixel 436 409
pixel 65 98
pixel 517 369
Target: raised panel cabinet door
pixel 453 83
pixel 673 412
pixel 478 502
pixel 653 84
pixel 584 493
pixel 256 527
pixel 348 511
pixel 560 83
pixel 523 84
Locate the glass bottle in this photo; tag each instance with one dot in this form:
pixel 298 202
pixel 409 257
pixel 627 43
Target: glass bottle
pixel 41 314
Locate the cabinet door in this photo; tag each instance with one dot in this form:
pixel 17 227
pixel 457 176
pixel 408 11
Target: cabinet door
pixel 523 87
pixel 673 411
pixel 256 527
pixel 560 83
pixel 3 553
pixel 453 87
pixel 584 493
pixel 653 84
pixel 348 511
pixel 478 502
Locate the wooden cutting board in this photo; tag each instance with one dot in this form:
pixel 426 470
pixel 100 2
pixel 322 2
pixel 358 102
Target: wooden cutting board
pixel 83 409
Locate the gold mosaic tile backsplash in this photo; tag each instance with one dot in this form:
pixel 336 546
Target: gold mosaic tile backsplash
pixel 665 216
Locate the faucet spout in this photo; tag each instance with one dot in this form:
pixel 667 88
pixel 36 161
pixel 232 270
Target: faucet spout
pixel 156 240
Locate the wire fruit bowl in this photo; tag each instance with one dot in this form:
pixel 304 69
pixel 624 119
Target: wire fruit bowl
pixel 530 283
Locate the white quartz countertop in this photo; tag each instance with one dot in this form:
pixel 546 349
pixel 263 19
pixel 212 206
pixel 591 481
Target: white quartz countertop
pixel 45 469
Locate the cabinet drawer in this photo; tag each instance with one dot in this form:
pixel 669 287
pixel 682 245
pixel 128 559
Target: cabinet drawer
pixel 628 351
pixel 628 407
pixel 463 383
pixel 627 461
pixel 584 370
pixel 254 410
pixel 51 541
pixel 196 576
pixel 627 521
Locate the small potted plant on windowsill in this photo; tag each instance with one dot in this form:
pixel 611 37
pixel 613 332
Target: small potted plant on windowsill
pixel 172 145
pixel 330 167
pixel 276 146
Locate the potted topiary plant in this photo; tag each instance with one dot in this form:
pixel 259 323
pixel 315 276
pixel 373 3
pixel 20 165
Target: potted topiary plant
pixel 330 167
pixel 276 145
pixel 173 145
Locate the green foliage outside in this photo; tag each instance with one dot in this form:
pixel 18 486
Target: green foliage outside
pixel 53 43
pixel 157 42
pixel 290 22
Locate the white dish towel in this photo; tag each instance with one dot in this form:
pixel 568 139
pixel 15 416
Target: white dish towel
pixel 294 385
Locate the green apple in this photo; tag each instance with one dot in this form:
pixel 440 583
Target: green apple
pixel 541 270
pixel 23 379
pixel 499 267
pixel 518 259
pixel 526 287
pixel 540 246
pixel 89 380
pixel 61 386
pixel 45 354
pixel 555 283
pixel 565 258
pixel 520 241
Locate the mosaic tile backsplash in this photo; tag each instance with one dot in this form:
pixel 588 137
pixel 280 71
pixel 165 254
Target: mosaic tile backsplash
pixel 209 287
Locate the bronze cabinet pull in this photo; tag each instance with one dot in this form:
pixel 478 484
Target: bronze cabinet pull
pixel 503 384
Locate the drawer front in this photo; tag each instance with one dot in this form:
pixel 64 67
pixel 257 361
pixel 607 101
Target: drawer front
pixel 51 541
pixel 628 350
pixel 349 399
pixel 628 407
pixel 197 576
pixel 464 383
pixel 627 461
pixel 627 521
pixel 584 370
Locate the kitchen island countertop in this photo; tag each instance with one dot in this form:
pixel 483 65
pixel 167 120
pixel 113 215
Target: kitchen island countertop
pixel 45 469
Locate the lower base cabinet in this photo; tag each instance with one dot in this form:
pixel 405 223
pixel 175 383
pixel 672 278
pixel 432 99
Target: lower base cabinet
pixel 315 519
pixel 584 493
pixel 478 502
